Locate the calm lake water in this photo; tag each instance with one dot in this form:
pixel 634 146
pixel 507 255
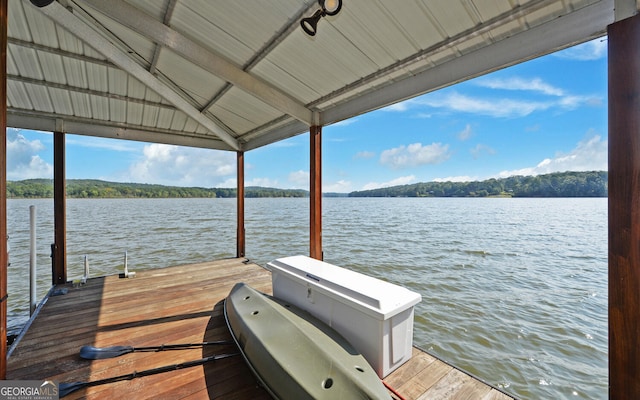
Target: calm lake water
pixel 514 291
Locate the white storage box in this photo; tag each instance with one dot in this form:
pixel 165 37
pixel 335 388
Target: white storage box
pixel 375 316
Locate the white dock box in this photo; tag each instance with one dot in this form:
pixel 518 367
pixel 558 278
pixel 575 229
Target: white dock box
pixel 375 316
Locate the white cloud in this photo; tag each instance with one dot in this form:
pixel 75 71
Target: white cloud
pixel 341 186
pixel 466 133
pixel 573 102
pixel 589 155
pixel 263 182
pixel 182 166
pixel 23 161
pixel 532 128
pixel 364 154
pixel 415 154
pixel 505 107
pixel 484 106
pixel 345 122
pixel 481 149
pixel 517 83
pixel 403 180
pixel 300 179
pixel 291 142
pixel 423 115
pixel 588 51
pixel 464 178
pixel 229 183
pixel 401 106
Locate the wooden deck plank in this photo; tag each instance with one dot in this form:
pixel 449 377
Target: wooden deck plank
pixel 424 380
pixel 447 386
pixel 418 362
pixel 181 304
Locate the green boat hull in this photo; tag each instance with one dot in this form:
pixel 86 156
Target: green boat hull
pixel 295 355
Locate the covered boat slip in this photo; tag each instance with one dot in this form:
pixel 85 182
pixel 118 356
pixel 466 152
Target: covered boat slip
pixel 182 304
pixel 230 76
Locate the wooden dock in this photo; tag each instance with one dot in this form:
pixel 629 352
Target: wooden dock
pixel 180 304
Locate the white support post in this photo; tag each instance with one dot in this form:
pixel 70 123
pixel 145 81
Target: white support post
pixel 85 276
pixel 33 263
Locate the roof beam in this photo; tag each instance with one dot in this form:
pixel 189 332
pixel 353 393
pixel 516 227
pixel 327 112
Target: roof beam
pixel 90 92
pixel 625 9
pixel 156 31
pixel 281 132
pixel 60 15
pixel 27 119
pixel 167 18
pixel 275 40
pixel 60 52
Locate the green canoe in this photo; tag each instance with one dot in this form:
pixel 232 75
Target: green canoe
pixel 295 355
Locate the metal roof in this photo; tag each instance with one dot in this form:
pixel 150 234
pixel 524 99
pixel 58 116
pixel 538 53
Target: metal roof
pixel 237 75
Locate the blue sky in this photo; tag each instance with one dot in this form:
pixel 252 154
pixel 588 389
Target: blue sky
pixel 542 116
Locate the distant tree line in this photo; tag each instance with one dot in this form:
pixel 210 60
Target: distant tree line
pixel 92 189
pixel 559 184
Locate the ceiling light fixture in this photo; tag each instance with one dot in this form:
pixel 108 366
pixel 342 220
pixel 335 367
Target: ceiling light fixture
pixel 330 7
pixel 327 7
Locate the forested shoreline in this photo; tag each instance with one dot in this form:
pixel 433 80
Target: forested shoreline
pixel 562 184
pixel 558 184
pixel 95 189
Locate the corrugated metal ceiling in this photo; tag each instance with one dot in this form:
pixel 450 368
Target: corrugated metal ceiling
pixel 237 75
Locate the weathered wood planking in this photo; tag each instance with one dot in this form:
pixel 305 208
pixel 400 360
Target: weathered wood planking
pixel 172 305
pixel 179 305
